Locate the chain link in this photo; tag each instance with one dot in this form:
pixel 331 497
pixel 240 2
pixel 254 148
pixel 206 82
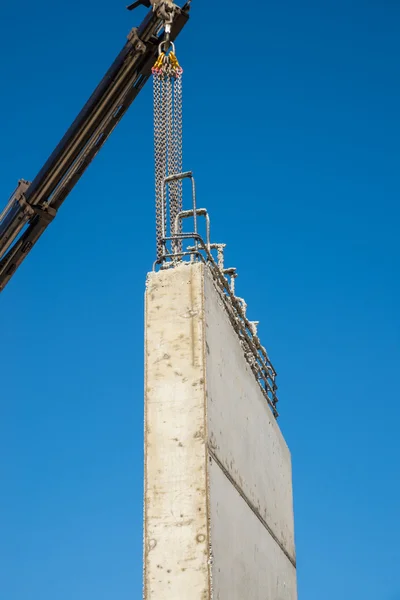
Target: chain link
pixel 178 166
pixel 167 76
pixel 159 156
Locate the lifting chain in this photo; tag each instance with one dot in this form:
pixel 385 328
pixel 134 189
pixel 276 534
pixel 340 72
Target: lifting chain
pixel 167 76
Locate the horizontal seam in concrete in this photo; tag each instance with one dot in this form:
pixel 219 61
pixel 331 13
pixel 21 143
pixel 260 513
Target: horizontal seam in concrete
pixel 251 506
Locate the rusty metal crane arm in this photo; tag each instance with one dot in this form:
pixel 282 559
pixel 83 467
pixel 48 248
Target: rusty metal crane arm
pixel 33 206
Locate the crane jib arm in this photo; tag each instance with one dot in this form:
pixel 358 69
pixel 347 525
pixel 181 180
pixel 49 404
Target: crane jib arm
pixel 34 205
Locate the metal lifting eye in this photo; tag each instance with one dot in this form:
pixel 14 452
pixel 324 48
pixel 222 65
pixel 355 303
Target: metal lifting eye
pixel 168 22
pixel 165 46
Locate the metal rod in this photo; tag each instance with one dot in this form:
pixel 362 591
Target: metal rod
pixel 260 362
pixel 201 212
pixel 179 176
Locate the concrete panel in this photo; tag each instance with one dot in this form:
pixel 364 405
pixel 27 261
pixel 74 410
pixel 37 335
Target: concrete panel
pixel 247 562
pixel 243 434
pixel 176 522
pixel 218 489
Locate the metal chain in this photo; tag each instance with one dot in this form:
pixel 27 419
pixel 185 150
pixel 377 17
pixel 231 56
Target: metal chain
pixel 178 166
pixel 163 199
pixel 169 122
pixel 158 156
pixel 167 144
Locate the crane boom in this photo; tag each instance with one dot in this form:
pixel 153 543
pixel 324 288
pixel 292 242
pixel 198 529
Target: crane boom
pixel 33 206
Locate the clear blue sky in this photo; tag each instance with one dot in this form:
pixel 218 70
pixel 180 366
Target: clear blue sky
pixel 292 127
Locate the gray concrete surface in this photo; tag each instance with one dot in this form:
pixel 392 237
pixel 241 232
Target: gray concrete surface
pixel 175 513
pixel 243 434
pixel 218 489
pixel 247 562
